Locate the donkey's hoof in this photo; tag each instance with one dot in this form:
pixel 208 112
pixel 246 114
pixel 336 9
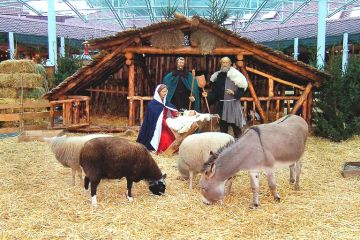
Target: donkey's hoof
pixel 277 199
pixel 255 206
pixel 292 180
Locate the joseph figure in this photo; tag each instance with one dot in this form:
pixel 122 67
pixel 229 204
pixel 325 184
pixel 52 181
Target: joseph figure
pixel 179 83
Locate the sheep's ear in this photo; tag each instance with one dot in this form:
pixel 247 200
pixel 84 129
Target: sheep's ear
pixel 164 176
pixel 210 173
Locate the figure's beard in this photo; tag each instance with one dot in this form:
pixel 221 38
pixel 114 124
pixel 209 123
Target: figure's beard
pixel 180 68
pixel 225 69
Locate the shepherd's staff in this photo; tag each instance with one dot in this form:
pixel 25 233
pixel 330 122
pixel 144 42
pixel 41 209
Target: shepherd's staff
pixel 192 87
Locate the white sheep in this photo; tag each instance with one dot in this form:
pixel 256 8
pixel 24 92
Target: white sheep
pixel 194 151
pixel 67 151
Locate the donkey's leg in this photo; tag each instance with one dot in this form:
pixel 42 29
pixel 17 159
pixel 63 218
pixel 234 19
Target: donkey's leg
pixel 292 173
pixel 272 184
pixel 297 176
pixel 94 185
pixel 129 186
pixel 254 180
pixel 86 184
pixel 191 177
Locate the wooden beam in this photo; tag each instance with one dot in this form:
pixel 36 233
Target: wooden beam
pixel 253 70
pixel 302 98
pixel 263 54
pixel 275 98
pixel 253 94
pixel 184 51
pixel 131 88
pixel 106 91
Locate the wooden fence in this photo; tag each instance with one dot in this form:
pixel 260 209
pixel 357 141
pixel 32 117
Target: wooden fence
pixel 29 115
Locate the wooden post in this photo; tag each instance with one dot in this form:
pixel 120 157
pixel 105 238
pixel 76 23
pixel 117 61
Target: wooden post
pixel 309 107
pixel 141 111
pixel 277 109
pixel 52 115
pixel 253 94
pixel 302 98
pixel 131 87
pixel 87 110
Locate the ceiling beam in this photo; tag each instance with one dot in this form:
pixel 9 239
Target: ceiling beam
pixel 341 8
pixel 75 11
pixel 186 7
pixel 295 11
pixel 30 7
pixel 111 7
pixel 150 10
pixel 262 5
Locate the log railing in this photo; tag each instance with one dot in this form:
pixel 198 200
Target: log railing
pixel 141 99
pixel 70 113
pixel 273 110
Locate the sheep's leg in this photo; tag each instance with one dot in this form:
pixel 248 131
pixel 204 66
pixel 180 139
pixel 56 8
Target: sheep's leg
pixel 79 171
pixel 86 185
pixel 297 175
pixel 191 176
pixel 292 173
pixel 73 173
pixel 129 186
pixel 94 185
pixel 272 184
pixel 254 180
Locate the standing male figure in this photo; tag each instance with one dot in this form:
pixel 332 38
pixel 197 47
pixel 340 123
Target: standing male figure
pixel 228 86
pixel 179 83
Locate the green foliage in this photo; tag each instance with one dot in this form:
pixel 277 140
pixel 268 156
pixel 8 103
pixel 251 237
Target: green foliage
pixel 216 12
pixel 337 114
pixel 169 11
pixel 67 66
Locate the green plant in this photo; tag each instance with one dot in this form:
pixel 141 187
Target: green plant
pixel 169 11
pixel 66 66
pixel 216 12
pixel 337 114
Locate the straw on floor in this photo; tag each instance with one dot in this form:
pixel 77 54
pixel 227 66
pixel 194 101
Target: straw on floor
pixel 37 201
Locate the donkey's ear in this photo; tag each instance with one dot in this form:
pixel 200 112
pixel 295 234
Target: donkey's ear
pixel 211 171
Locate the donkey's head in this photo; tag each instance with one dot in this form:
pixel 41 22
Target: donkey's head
pixel 158 187
pixel 212 189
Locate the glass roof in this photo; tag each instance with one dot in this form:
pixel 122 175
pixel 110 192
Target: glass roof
pixel 122 14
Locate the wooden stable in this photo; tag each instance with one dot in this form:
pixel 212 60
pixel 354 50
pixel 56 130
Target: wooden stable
pixel 74 112
pixel 122 78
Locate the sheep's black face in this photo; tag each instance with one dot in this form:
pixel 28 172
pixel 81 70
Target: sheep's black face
pixel 158 187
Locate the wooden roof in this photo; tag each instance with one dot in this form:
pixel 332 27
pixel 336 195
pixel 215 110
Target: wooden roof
pixel 106 62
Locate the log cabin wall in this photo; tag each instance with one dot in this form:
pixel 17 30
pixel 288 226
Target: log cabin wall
pixel 109 96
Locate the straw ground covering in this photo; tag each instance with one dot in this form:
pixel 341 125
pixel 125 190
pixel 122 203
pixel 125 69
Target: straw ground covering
pixel 38 201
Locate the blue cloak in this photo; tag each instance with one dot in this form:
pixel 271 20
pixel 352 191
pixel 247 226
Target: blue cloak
pixel 153 113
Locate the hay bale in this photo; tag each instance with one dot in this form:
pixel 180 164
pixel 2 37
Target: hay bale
pixel 16 80
pixel 205 41
pixel 168 39
pixel 17 66
pixel 7 93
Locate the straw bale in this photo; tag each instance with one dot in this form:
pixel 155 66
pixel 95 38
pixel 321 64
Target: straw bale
pixel 16 80
pixel 17 66
pixel 7 93
pixel 168 39
pixel 34 191
pixel 205 41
